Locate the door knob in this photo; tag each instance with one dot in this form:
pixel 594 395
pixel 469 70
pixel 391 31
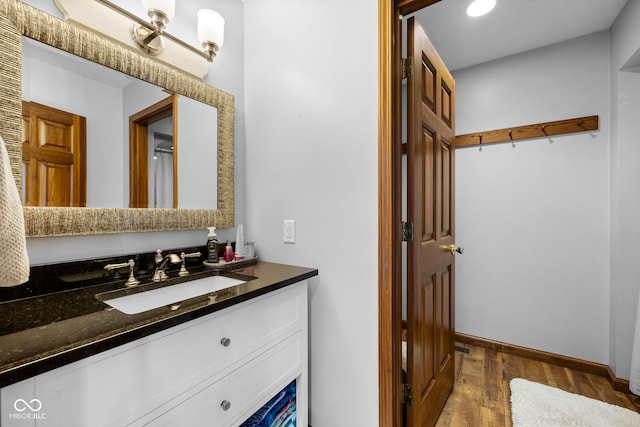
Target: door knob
pixel 453 249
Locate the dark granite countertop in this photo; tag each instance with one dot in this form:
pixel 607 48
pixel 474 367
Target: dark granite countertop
pixel 41 333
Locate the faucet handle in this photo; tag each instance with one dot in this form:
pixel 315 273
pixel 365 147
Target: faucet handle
pixel 158 257
pixel 131 281
pixel 110 267
pixel 191 255
pixel 183 270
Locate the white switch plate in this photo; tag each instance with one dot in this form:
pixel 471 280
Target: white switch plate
pixel 289 231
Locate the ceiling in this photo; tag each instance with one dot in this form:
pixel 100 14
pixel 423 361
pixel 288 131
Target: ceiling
pixel 513 26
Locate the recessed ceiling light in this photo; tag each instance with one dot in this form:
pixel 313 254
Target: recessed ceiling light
pixel 480 7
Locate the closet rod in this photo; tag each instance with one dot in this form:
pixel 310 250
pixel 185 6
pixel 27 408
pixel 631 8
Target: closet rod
pixel 581 124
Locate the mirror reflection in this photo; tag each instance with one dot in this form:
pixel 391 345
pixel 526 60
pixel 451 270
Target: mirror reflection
pixel 160 162
pixel 85 143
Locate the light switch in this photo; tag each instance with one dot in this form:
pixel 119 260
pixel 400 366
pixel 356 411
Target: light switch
pixel 289 231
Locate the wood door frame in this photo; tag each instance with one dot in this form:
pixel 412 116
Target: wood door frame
pixel 138 146
pixel 389 206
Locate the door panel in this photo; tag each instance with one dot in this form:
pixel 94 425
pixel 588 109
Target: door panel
pixel 445 189
pixel 425 327
pixel 430 207
pixel 429 181
pixel 446 110
pixel 54 156
pixel 56 183
pixel 443 315
pixel 429 84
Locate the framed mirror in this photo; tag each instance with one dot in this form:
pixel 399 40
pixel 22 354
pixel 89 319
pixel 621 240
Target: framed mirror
pixel 17 20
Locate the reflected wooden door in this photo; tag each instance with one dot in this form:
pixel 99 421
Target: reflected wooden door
pixel 430 186
pixel 53 156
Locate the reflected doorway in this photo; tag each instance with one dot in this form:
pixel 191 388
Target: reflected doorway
pixel 161 165
pixel 153 158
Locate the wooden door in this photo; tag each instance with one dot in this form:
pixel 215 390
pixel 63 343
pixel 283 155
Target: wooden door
pixel 430 207
pixel 54 157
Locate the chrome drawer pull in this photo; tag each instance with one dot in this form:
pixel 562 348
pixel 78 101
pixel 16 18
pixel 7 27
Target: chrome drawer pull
pixel 225 405
pixel 225 341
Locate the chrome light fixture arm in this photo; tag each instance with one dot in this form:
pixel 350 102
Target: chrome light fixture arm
pixel 149 36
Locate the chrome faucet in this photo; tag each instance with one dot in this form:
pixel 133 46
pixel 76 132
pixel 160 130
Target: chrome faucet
pixel 131 281
pixel 161 262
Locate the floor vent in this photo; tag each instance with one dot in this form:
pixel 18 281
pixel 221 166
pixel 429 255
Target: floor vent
pixel 463 350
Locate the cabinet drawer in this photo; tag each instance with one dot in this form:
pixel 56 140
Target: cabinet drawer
pixel 169 363
pixel 237 396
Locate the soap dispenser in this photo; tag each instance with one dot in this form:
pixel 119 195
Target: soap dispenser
pixel 212 246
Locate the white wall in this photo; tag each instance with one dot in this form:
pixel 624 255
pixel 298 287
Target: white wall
pixel 533 218
pixel 311 133
pixel 225 72
pixel 197 187
pixel 625 204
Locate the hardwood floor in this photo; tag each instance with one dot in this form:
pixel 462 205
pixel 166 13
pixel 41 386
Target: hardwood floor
pixel 481 394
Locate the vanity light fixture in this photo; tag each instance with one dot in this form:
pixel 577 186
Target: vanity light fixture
pixel 480 7
pixel 148 36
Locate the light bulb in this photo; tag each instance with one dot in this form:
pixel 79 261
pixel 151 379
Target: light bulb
pixel 210 27
pixel 480 7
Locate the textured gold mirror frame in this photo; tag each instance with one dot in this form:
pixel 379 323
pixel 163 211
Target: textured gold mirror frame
pixel 18 19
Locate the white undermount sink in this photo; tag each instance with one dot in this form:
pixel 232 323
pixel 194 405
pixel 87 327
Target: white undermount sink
pixel 168 295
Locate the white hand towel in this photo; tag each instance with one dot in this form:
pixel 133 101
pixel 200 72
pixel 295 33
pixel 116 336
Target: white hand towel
pixel 13 245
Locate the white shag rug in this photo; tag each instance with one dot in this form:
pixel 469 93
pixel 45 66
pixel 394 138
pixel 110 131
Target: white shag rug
pixel 539 405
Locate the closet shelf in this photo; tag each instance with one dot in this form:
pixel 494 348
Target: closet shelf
pixel 539 130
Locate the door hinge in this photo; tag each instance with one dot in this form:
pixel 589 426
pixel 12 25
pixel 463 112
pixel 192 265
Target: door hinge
pixel 407 231
pixel 407 394
pixel 407 67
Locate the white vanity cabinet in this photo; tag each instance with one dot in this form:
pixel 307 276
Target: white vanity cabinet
pixel 216 370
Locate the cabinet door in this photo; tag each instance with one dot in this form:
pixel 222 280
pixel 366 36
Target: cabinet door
pixel 19 405
pixel 237 396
